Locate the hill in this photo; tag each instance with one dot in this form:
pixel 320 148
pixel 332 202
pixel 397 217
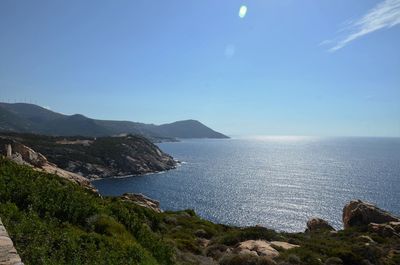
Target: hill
pixel 188 129
pixel 29 118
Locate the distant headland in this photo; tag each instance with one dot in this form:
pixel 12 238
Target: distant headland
pixel 30 118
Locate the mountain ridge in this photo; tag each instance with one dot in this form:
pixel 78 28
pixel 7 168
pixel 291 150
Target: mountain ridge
pixel 30 118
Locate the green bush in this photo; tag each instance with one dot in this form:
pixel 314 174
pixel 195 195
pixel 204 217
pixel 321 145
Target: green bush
pixel 245 259
pixel 235 236
pixel 53 221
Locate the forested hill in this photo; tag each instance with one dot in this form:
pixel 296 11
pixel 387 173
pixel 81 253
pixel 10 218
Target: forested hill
pixel 30 118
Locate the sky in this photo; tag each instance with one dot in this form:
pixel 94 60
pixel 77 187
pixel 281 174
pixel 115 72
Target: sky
pixel 262 67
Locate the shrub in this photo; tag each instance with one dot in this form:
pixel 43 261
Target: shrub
pixel 245 259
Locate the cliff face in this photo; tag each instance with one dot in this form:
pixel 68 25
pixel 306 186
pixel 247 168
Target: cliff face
pixel 23 155
pixel 90 157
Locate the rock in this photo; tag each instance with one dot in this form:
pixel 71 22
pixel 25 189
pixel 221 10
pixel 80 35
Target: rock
pixel 283 245
pixel 128 155
pixel 8 253
pixel 24 155
pixel 366 239
pixel 261 248
pixel 141 200
pixel 318 224
pixel 8 150
pixel 77 179
pixel 357 213
pixel 29 155
pixel 384 230
pixel 396 226
pixel 256 247
pixel 203 242
pixel 246 251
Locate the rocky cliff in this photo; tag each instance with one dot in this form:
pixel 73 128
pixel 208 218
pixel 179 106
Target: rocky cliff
pixel 24 155
pixel 89 157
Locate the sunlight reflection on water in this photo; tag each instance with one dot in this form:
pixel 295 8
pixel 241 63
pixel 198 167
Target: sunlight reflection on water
pixel 278 182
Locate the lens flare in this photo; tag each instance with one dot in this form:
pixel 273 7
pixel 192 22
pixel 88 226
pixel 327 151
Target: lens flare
pixel 242 11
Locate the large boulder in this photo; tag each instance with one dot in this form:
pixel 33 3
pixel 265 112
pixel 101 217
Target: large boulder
pixel 262 248
pixel 357 213
pixel 257 248
pixel 318 224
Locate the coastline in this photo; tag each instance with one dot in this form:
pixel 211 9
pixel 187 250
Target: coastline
pixel 178 164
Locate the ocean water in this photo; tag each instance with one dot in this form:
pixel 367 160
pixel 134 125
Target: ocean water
pixel 277 182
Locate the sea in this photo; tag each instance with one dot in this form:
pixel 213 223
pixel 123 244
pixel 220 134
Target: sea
pixel 277 181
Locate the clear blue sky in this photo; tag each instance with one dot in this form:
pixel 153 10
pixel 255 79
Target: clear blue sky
pixel 287 67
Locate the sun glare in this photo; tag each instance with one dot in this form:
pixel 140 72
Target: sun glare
pixel 242 11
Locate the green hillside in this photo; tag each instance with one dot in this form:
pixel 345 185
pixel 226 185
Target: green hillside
pixel 30 118
pixel 53 221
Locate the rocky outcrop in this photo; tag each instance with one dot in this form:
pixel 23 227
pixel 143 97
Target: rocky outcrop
pixel 75 178
pixel 261 248
pixel 141 200
pixel 357 213
pixel 257 248
pixel 384 230
pixel 283 245
pixel 318 224
pixel 8 253
pixel 25 155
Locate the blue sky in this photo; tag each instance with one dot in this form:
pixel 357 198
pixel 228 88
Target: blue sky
pixel 286 67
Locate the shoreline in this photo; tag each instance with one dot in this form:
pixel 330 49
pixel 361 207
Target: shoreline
pixel 178 164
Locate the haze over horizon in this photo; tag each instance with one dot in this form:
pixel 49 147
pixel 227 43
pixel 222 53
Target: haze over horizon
pixel 319 68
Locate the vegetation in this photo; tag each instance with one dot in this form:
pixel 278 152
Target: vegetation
pixel 103 156
pixel 53 221
pixel 23 118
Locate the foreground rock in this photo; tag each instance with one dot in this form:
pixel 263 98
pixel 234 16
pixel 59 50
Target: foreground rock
pixel 141 200
pixel 261 248
pixel 8 254
pixel 357 213
pixel 318 224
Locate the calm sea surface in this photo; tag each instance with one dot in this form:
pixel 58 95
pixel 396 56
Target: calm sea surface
pixel 278 182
